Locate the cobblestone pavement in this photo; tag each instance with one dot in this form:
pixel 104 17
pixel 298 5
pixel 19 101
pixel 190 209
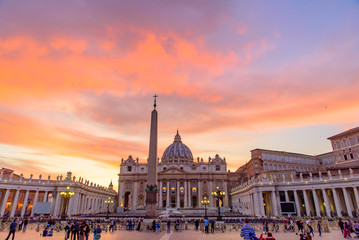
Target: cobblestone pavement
pixel 188 235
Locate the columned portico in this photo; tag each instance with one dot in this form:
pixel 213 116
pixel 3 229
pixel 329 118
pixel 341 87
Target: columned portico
pixel 327 195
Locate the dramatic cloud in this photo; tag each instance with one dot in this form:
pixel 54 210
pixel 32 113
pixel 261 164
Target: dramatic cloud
pixel 76 78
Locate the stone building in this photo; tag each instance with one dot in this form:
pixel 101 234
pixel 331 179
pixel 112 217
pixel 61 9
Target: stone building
pixel 325 184
pixel 346 148
pixel 21 196
pixel 183 181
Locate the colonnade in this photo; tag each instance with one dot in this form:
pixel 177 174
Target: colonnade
pixel 21 196
pixel 330 196
pixel 175 193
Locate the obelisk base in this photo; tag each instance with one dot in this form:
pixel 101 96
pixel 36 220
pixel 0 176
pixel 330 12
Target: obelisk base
pixel 151 205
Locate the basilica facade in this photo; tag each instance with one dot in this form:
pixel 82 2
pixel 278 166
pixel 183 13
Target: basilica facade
pixel 182 180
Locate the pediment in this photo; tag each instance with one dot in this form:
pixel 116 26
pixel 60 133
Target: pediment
pixel 173 170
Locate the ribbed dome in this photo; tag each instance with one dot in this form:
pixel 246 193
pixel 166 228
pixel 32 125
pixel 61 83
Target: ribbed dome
pixel 177 151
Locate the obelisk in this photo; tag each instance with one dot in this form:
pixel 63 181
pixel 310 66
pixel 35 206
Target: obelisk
pixel 151 187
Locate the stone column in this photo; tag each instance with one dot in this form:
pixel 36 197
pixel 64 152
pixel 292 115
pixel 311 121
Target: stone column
pixel 337 203
pixel 35 202
pixel 185 193
pixel 274 204
pixel 168 194
pixel 74 204
pixel 297 203
pixel 120 199
pixel 356 197
pixel 347 202
pixel 316 202
pixel 306 203
pixel 4 201
pixel 24 205
pixel 326 201
pixel 261 206
pixel 57 204
pixel 226 204
pixel 210 186
pixel 135 193
pixel 257 211
pixel 278 202
pixel 45 196
pixel 199 193
pixel 189 194
pixel 70 203
pixel 160 202
pixel 14 205
pixel 178 194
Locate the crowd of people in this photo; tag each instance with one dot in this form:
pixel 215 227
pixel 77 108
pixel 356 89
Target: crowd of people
pixel 81 229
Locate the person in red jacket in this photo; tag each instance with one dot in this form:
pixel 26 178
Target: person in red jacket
pixel 270 237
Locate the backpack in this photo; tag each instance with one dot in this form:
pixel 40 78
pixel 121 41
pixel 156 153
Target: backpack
pixel 252 236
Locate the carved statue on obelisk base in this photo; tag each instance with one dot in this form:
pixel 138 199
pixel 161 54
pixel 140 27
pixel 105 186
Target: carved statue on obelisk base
pixel 151 187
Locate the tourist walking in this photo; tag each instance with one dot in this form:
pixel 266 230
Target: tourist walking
pixel 319 225
pixel 67 231
pixel 347 230
pixel 206 225
pixel 196 223
pixel 76 230
pixel 112 224
pixel 356 226
pixel 247 231
pixel 158 224
pixel 20 224
pixel 212 225
pixel 26 221
pixel 97 232
pixel 308 237
pixel 310 227
pixel 168 226
pixel 12 229
pixel 341 225
pixel 87 230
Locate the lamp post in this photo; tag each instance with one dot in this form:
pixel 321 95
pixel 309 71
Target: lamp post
pixel 108 202
pixel 66 195
pixel 219 195
pixel 205 202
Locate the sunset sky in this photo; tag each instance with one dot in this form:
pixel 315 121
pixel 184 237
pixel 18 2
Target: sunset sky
pixel 77 79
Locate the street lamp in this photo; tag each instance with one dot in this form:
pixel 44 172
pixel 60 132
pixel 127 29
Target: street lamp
pixel 66 195
pixel 108 202
pixel 205 202
pixel 219 195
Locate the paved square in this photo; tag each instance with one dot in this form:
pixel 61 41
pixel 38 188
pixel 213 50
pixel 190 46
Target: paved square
pixel 188 235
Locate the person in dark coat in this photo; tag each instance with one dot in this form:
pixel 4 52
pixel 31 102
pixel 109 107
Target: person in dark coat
pixel 12 229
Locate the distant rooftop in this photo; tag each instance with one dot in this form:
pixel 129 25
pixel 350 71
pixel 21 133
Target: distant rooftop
pixel 283 152
pixel 353 130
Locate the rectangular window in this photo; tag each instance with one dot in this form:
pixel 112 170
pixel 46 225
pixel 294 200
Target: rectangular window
pixel 351 156
pixel 279 175
pixel 129 168
pixel 164 189
pixel 218 168
pixel 194 190
pixel 345 157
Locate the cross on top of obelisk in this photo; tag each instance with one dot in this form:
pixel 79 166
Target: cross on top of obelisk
pixel 155 96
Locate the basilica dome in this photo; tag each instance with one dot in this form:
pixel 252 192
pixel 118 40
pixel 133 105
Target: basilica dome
pixel 177 152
